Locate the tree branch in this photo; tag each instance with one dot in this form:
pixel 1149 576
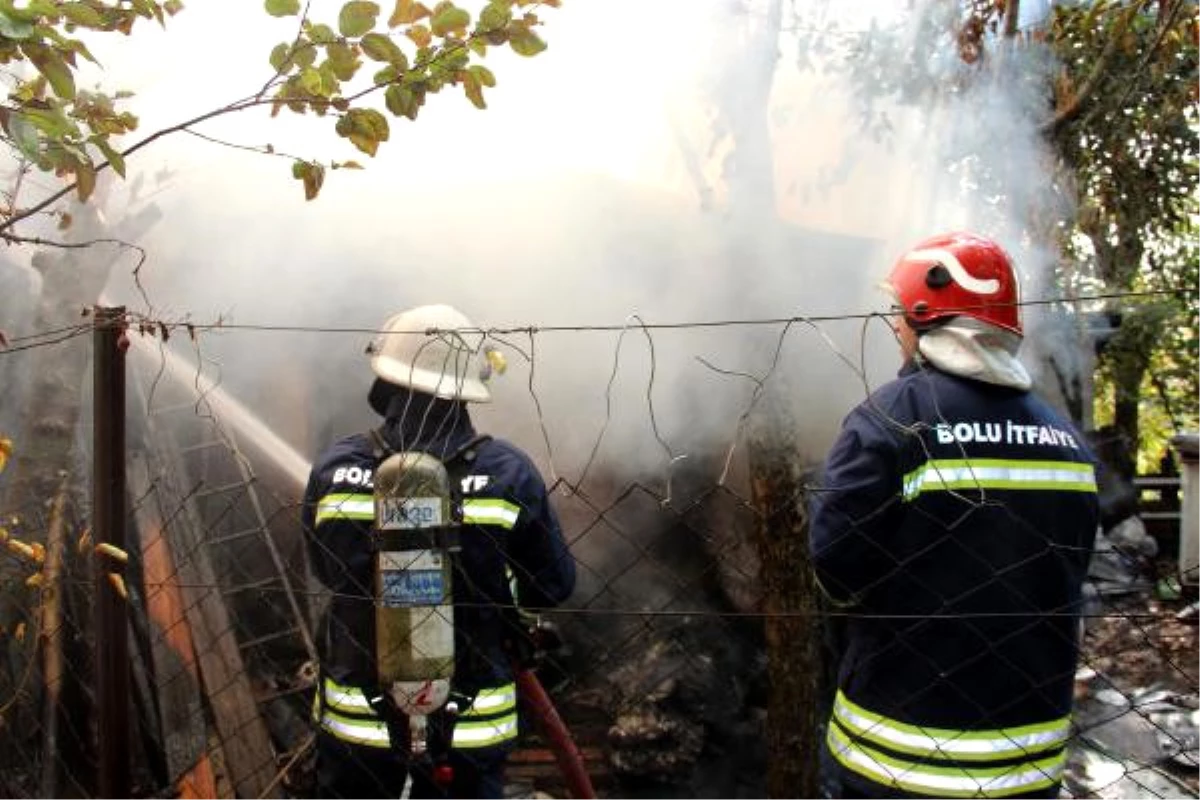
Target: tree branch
pixel 1012 13
pixel 1099 69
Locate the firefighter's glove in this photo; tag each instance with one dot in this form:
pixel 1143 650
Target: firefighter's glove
pixel 531 645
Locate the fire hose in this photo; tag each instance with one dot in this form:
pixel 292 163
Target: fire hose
pixel 570 760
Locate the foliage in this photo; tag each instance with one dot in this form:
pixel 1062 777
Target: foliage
pixel 35 552
pixel 47 119
pixel 410 52
pixel 414 52
pixel 1126 126
pixel 1120 116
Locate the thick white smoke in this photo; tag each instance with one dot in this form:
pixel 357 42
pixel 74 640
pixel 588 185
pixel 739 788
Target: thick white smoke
pixel 577 200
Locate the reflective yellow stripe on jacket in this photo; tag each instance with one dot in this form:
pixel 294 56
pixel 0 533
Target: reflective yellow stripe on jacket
pixel 480 511
pixel 948 474
pixel 953 763
pixel 348 716
pixel 341 505
pixel 490 511
pixel 490 720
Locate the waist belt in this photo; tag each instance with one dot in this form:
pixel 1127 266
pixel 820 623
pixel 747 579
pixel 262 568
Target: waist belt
pixel 349 714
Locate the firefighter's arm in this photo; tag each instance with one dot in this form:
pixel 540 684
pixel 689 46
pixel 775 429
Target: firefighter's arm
pixel 538 556
pixel 852 508
pixel 336 522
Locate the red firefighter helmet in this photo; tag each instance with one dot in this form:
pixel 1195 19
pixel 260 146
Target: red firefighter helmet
pixel 957 274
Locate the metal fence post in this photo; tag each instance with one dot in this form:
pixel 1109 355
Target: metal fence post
pixel 108 526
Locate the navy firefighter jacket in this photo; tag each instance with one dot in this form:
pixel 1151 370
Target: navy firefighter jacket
pixel 956 518
pixel 509 531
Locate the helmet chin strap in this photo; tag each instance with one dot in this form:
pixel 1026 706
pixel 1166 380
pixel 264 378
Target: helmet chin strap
pixel 971 348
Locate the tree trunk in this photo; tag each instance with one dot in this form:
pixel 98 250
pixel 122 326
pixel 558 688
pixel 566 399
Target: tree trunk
pixel 793 628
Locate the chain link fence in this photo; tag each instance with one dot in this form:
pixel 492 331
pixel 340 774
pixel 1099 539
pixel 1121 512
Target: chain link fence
pixel 697 656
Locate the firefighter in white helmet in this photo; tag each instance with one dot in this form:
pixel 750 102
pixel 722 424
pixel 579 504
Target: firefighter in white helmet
pixel 429 365
pixel 954 523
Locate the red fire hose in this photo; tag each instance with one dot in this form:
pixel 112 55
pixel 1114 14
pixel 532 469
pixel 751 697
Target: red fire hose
pixel 570 760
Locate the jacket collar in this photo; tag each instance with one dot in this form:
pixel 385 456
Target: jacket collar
pixel 418 421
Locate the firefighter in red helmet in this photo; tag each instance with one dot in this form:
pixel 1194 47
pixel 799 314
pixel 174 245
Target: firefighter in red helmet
pixel 954 522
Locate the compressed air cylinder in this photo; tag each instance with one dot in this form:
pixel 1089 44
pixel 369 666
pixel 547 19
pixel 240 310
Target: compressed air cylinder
pixel 414 614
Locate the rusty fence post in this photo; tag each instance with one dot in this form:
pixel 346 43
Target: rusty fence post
pixel 108 527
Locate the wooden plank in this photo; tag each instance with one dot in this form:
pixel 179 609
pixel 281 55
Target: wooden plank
pixel 248 753
pixel 181 709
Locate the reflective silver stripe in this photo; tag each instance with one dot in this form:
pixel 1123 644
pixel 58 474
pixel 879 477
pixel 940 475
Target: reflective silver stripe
pixel 925 780
pixel 949 744
pixel 373 733
pixel 481 733
pixel 491 511
pixel 490 701
pixel 346 698
pixel 345 506
pixel 994 473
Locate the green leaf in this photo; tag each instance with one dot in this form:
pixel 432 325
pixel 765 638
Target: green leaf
pixel 50 121
pixel 311 174
pixel 76 46
pixel 380 47
pixel 402 101
pixel 357 17
pixel 24 135
pixel 495 15
pixel 82 14
pixel 282 8
pixel 322 34
pixel 482 74
pixel 386 75
pixel 304 54
pixel 50 63
pixel 524 41
pixel 310 81
pixel 115 159
pixel 279 57
pixel 449 18
pixel 343 60
pixel 366 128
pixel 473 89
pixel 12 27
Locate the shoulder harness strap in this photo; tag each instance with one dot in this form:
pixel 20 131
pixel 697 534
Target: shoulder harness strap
pixel 381 448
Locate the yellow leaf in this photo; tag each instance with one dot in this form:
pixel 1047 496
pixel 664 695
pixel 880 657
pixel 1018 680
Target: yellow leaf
pixel 419 34
pixel 118 583
pixel 113 552
pixel 85 180
pixel 5 452
pixel 20 548
pixel 473 89
pixel 34 580
pixel 407 11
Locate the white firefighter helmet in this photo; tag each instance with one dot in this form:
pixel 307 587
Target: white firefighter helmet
pixel 432 349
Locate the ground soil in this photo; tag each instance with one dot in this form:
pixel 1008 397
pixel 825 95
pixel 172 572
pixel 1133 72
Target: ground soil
pixel 1147 640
